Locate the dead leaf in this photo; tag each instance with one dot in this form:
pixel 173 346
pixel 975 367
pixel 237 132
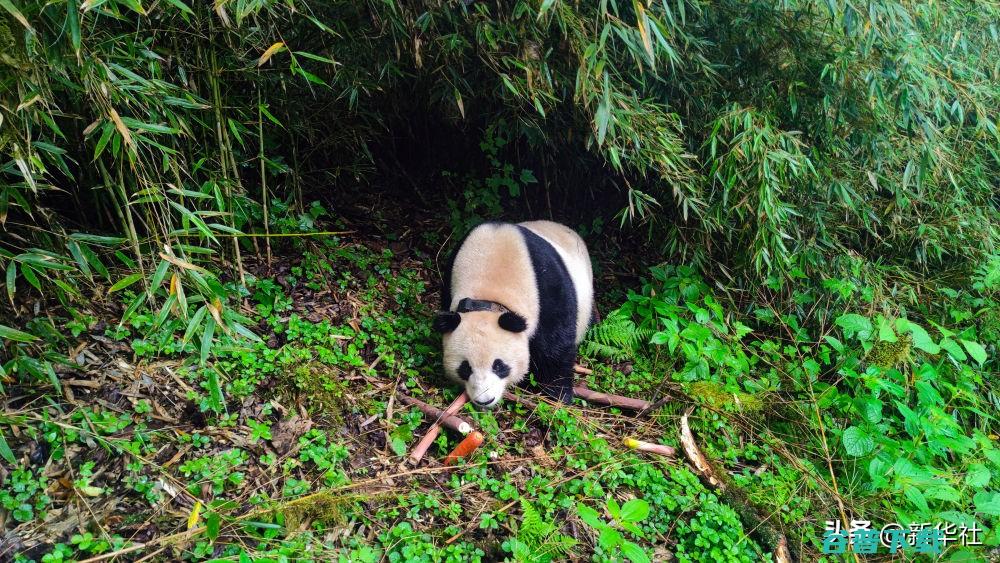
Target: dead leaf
pixel 181 263
pixel 542 456
pixel 194 516
pixel 120 126
pixel 285 434
pixel 270 52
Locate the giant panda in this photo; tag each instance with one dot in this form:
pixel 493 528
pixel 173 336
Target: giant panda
pixel 516 297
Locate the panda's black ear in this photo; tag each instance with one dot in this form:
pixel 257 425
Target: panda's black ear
pixel 513 322
pixel 446 321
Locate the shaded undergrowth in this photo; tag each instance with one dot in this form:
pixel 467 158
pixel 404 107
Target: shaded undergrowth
pixel 292 444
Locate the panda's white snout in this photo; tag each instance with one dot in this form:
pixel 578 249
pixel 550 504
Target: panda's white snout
pixel 485 390
pixel 486 403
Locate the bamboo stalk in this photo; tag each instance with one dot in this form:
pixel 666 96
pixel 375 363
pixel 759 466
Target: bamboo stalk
pixel 448 421
pixel 263 173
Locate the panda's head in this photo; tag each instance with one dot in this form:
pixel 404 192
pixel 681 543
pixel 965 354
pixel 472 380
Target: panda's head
pixel 485 350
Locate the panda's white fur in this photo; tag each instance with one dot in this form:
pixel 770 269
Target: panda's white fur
pixel 539 272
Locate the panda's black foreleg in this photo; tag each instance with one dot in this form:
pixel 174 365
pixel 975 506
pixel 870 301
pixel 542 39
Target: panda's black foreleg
pixel 563 387
pixel 554 376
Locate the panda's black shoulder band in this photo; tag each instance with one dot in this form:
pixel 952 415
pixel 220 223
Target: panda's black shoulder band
pixel 509 320
pixel 468 305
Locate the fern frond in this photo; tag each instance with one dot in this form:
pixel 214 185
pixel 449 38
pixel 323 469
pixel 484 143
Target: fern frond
pixel 539 539
pixel 532 527
pixel 616 338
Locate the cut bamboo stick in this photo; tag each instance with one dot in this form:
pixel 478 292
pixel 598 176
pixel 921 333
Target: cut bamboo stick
pixel 610 400
pixel 752 516
pixel 450 422
pixel 650 447
pixel 425 443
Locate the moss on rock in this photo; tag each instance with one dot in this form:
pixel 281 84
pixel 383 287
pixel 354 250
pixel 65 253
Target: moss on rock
pixel 890 354
pixel 320 388
pixel 715 396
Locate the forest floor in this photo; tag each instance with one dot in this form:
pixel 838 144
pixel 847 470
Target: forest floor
pixel 294 447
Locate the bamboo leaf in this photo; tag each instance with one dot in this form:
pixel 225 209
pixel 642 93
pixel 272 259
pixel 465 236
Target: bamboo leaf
pixel 195 515
pixel 647 44
pixel 545 7
pixel 53 378
pixel 132 308
pixel 198 223
pixel 245 332
pixel 43 261
pixel 125 282
pixel 159 275
pixel 11 280
pixel 206 339
pixel 8 333
pixel 17 15
pixel 106 131
pixel 120 126
pixel 194 323
pixel 215 308
pixel 73 23
pixel 316 58
pixel 216 399
pixel 177 288
pixel 78 257
pixel 161 317
pixel 98 239
pixel 5 450
pixel 140 126
pixel 181 6
pixel 29 274
pixel 263 109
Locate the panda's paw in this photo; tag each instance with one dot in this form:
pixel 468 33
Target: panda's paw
pixel 561 393
pixel 566 395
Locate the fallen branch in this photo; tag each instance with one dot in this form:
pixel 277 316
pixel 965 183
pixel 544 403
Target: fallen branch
pixel 750 515
pixel 425 443
pixel 450 422
pixel 610 400
pixel 582 370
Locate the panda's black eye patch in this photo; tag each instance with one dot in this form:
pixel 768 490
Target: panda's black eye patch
pixel 465 370
pixel 501 369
